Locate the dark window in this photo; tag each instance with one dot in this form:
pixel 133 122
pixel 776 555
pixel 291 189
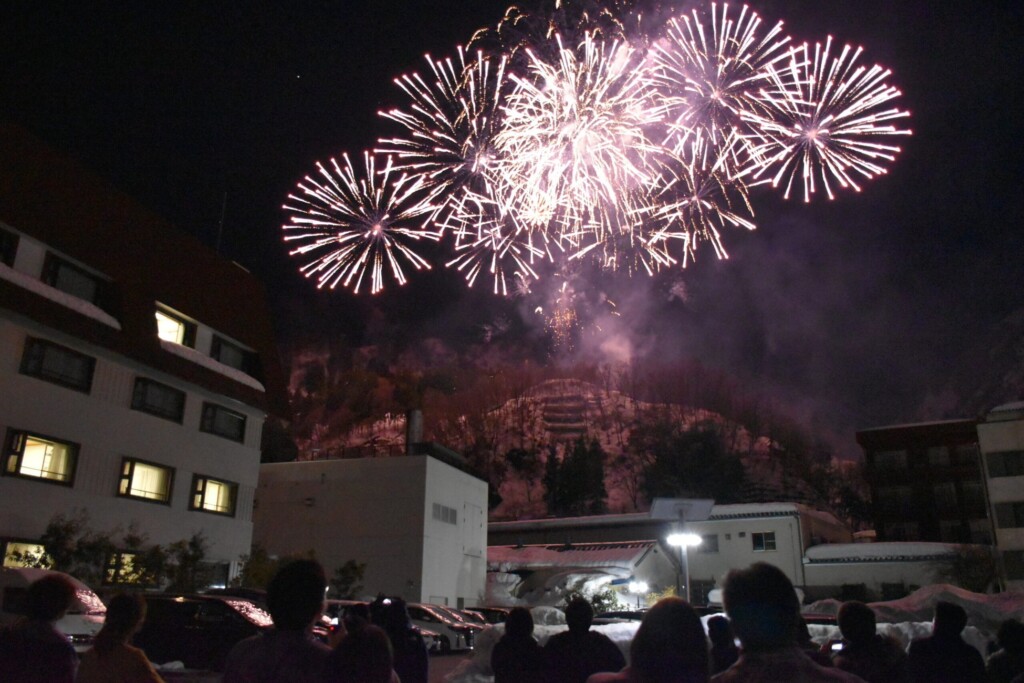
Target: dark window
pixel 1006 464
pixel 965 454
pixel 145 481
pixel 57 364
pixel 763 542
pixel 158 399
pixel 8 247
pixel 223 422
pixel 1010 515
pixel 973 497
pixel 443 513
pixel 213 495
pixel 945 497
pixel 38 457
pixel 893 500
pixel 1013 562
pixel 233 355
pixel 74 280
pixel 902 531
pixel 938 456
pixel 708 543
pixel 891 460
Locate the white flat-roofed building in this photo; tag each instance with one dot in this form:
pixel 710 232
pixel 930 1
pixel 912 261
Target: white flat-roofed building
pixel 417 523
pixel 1001 440
pixel 137 367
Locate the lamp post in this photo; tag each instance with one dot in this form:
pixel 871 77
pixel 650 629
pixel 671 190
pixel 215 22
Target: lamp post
pixel 683 541
pixel 637 588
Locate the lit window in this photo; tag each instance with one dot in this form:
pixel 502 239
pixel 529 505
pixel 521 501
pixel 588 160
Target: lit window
pixel 30 455
pixel 25 554
pixel 158 399
pixel 232 355
pixel 212 495
pixel 173 329
pixel 763 542
pixel 145 481
pixel 223 422
pixel 74 280
pixel 58 364
pixel 8 247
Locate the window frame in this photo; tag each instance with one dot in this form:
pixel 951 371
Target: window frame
pixel 5 549
pixel 54 263
pixel 16 454
pixel 220 343
pixel 188 337
pixel 125 480
pixel 113 567
pixel 137 404
pixel 45 345
pixel 997 461
pixel 9 241
pixel 708 544
pixel 1009 514
pixel 207 421
pixel 199 482
pixel 767 539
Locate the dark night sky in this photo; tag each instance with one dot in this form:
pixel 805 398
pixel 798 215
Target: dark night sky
pixel 850 312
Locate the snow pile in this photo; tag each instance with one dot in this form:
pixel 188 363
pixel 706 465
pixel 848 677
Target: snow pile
pixel 211 364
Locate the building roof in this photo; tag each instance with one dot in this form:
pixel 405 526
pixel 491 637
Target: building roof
pixel 1007 411
pixel 608 556
pixel 919 433
pixel 878 552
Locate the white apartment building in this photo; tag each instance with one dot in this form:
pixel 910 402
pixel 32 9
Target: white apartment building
pixel 1001 440
pixel 136 367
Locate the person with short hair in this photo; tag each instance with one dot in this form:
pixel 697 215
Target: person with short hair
pixel 669 647
pixel 32 650
pixel 288 652
pixel 944 656
pixel 111 659
pixel 575 654
pixel 362 656
pixel 411 660
pixel 517 657
pixel 865 652
pixel 765 615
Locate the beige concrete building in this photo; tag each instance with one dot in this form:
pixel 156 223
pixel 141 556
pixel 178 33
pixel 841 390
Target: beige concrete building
pixel 1001 439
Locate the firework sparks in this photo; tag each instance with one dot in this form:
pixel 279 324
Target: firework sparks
pixel 559 140
pixel 360 227
pixel 825 121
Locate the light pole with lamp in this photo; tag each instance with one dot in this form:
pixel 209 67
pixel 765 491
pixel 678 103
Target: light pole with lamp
pixel 681 511
pixel 683 541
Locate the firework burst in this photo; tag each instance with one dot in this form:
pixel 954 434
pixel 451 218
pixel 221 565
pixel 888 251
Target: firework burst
pixel 586 135
pixel 825 121
pixel 359 228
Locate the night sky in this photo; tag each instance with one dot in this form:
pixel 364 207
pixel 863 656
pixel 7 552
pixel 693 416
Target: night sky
pixel 851 313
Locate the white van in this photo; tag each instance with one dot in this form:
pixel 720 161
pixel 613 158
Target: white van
pixel 82 621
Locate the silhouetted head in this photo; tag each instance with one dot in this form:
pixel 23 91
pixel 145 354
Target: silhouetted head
pixel 950 619
pixel 519 623
pixel 295 595
pixel 363 656
pixel 579 615
pixel 1011 636
pixel 49 597
pixel 856 621
pixel 762 607
pixel 395 616
pixel 720 631
pixel 125 614
pixel 669 645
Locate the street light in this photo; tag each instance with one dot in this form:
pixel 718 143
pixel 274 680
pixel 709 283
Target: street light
pixel 638 588
pixel 682 541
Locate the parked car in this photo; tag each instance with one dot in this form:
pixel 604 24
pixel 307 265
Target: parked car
pixel 80 624
pixel 493 615
pixel 337 610
pixel 455 634
pixel 197 630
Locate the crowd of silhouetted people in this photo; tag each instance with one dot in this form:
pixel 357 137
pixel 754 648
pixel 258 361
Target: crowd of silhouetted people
pixel 762 639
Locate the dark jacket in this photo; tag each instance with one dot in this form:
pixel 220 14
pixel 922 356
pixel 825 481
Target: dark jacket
pixel 518 660
pixel 572 657
pixel 879 660
pixel 942 659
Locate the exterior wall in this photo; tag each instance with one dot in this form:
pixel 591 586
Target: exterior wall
pixel 106 429
pixel 379 511
pixel 464 541
pixel 827 579
pixel 1002 433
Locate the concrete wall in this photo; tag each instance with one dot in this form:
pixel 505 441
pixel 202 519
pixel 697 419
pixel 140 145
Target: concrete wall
pixel 994 436
pixel 827 579
pixel 735 547
pixel 380 511
pixel 106 429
